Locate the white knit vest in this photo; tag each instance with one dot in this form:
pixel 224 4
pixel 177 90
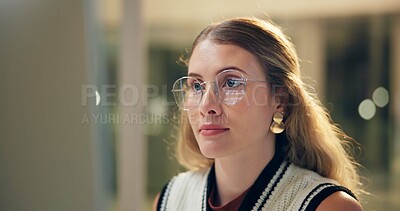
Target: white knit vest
pixel 291 188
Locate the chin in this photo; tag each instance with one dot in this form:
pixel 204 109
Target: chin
pixel 211 155
pixel 212 150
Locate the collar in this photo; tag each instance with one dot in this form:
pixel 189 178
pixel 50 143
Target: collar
pixel 256 191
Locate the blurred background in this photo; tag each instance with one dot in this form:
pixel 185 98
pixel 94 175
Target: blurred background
pixel 86 113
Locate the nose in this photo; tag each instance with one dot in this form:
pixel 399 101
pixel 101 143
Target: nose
pixel 210 103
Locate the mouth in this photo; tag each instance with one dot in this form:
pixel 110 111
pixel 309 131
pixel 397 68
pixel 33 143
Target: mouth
pixel 211 130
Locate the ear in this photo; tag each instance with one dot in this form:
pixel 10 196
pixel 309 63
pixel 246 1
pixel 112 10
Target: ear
pixel 279 98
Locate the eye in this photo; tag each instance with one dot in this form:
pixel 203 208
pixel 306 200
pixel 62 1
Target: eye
pixel 232 82
pixel 197 86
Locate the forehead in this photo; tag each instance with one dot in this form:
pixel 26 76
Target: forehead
pixel 209 58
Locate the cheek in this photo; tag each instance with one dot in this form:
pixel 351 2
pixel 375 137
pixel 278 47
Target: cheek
pixel 192 117
pixel 255 111
pixel 247 114
pixel 250 123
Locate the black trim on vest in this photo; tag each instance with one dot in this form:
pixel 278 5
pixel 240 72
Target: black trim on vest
pixel 275 184
pixel 323 194
pixel 261 183
pixel 162 193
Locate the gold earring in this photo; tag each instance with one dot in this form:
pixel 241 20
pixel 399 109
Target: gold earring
pixel 277 125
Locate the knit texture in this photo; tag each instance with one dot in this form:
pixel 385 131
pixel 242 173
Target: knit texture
pixel 290 188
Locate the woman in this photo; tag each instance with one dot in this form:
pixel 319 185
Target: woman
pixel 251 134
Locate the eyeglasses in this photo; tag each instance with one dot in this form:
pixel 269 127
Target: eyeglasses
pixel 229 87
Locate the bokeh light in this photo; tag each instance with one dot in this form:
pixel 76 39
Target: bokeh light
pixel 380 97
pixel 367 109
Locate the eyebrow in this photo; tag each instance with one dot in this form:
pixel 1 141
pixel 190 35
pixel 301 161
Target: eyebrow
pixel 220 70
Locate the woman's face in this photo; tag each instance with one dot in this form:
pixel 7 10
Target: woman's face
pixel 224 130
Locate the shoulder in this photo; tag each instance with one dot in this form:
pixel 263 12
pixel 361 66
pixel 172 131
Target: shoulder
pixel 315 191
pixel 155 202
pixel 189 177
pixel 307 178
pixel 184 180
pixel 339 201
pixel 183 190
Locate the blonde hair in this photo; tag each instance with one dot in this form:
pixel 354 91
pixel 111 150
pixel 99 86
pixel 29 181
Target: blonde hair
pixel 310 139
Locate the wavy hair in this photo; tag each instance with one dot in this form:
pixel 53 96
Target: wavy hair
pixel 310 140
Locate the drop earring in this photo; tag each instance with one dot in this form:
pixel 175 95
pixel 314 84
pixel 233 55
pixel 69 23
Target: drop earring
pixel 277 125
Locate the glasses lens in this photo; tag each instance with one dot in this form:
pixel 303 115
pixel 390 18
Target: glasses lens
pixel 231 85
pixel 187 92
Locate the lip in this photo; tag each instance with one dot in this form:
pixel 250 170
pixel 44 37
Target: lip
pixel 211 129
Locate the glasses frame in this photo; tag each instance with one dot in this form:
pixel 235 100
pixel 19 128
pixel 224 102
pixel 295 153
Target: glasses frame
pixel 216 88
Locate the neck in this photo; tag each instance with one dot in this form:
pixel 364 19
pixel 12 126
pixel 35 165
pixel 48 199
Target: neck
pixel 236 173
